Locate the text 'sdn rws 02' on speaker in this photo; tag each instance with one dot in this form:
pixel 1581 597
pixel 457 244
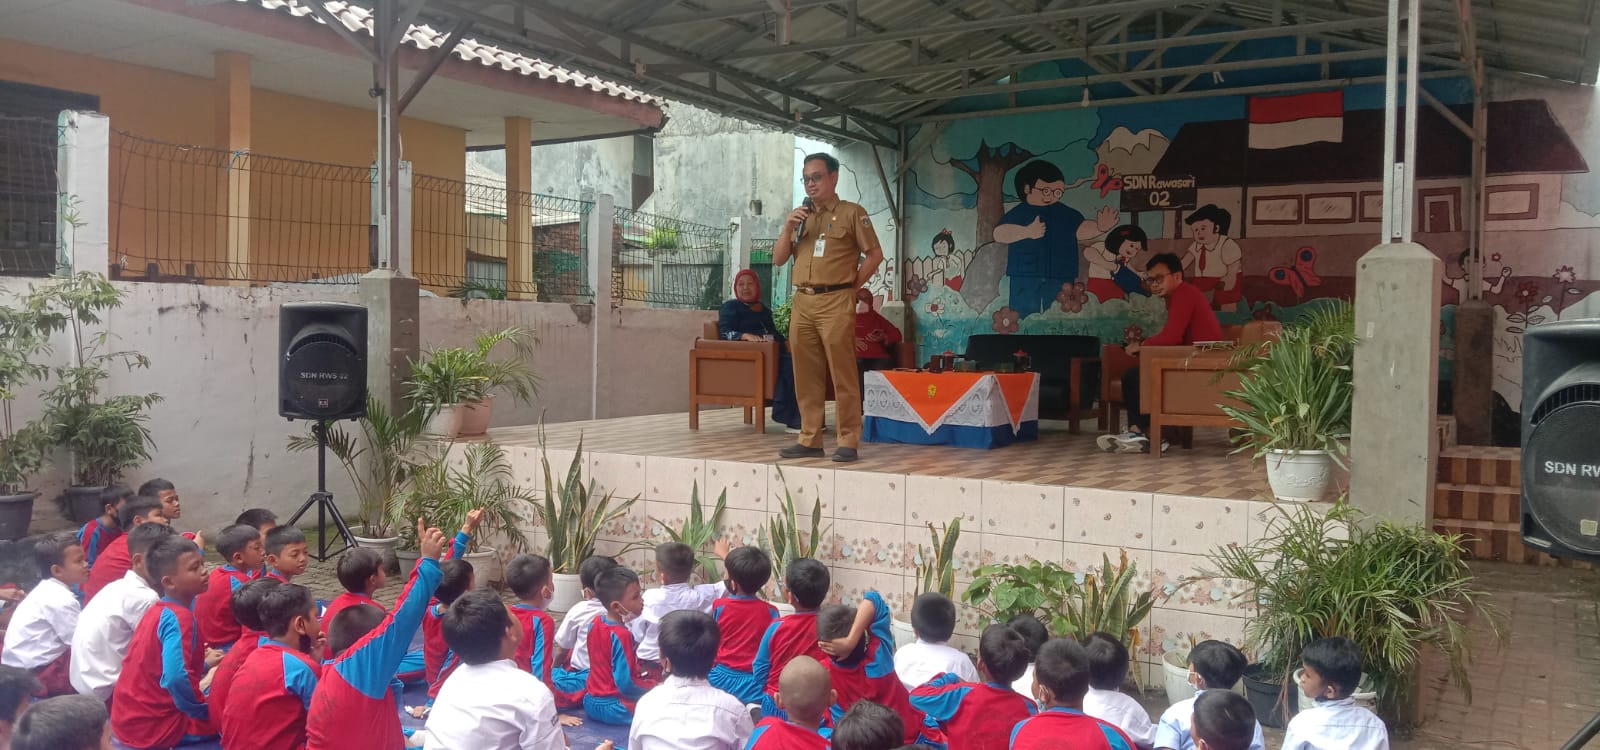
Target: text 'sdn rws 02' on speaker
pixel 323 360
pixel 1561 439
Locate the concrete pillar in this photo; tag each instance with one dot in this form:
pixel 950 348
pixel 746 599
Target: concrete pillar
pixel 394 335
pixel 1394 448
pixel 403 254
pixel 83 173
pixel 1473 382
pixel 519 219
pixel 232 100
pixel 597 233
pixel 739 256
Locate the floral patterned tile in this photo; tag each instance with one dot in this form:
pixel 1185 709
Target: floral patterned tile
pixel 673 479
pixel 869 496
pixel 998 548
pixel 1019 509
pixel 969 550
pixel 804 485
pixel 851 584
pixel 938 500
pixel 862 545
pixel 622 475
pixel 745 483
pixel 1195 525
pixel 1171 628
pixel 742 527
pixel 1177 576
pixel 1108 517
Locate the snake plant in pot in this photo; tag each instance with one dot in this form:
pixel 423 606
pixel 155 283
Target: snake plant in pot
pixel 456 385
pixel 936 574
pixel 573 514
pixel 786 540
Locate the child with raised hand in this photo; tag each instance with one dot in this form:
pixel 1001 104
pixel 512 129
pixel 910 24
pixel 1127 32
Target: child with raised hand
pixel 70 722
pixel 571 673
pixel 106 624
pixel 1330 671
pixel 1108 668
pixel 806 584
pixel 457 576
pixel 868 726
pixel 157 702
pixel 97 534
pixel 860 646
pixel 489 703
pixel 39 638
pixel 533 583
pixel 117 560
pixel 933 619
pixel 360 572
pixel 1223 720
pixel 685 712
pixel 1035 635
pixel 287 555
pixel 244 553
pixel 279 677
pixel 616 681
pixel 353 705
pixel 805 693
pixel 980 716
pixel 675 563
pixel 1060 680
pixel 1213 666
pixel 743 619
pixel 246 605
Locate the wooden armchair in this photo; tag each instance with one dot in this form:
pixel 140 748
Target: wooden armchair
pixel 732 373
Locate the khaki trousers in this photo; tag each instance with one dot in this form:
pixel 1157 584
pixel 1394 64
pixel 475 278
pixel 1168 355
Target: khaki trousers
pixel 822 340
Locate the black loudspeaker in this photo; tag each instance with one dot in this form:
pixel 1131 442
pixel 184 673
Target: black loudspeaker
pixel 1561 439
pixel 322 372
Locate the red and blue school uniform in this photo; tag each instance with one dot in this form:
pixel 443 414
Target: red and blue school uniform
pixel 353 705
pixel 1068 729
pixel 280 681
pixel 95 537
pixel 779 734
pixel 872 677
pixel 791 636
pixel 438 660
pixel 213 608
pixel 412 668
pixel 972 715
pixel 227 669
pixel 616 680
pixel 536 651
pixel 157 702
pixel 113 562
pixel 742 621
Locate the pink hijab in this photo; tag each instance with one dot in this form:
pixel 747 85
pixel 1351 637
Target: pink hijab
pixel 755 299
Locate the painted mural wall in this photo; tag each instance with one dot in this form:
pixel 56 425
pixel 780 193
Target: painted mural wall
pixel 1043 223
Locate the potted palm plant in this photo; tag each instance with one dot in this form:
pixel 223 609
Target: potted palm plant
pixel 456 385
pixel 444 491
pixel 106 435
pixel 573 514
pixel 380 458
pixel 24 335
pixel 785 541
pixel 1294 402
pixel 936 572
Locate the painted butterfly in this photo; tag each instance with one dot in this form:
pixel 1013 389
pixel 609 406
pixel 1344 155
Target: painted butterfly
pixel 1104 181
pixel 1301 274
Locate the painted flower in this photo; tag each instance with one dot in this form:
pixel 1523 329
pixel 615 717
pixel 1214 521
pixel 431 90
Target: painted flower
pixel 1072 296
pixel 1007 320
pixel 1133 334
pixel 1494 257
pixel 916 286
pixel 936 308
pixel 1565 275
pixel 1527 290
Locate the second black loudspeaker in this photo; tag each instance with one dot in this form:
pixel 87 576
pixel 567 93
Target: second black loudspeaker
pixel 1561 439
pixel 322 371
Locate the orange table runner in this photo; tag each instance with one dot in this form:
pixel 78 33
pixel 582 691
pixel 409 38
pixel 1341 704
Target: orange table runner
pixel 933 395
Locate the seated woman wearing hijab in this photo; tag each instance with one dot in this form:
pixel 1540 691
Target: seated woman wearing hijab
pixel 744 318
pixel 875 335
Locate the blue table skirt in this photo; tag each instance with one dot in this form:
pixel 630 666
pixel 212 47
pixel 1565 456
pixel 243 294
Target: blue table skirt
pixel 885 430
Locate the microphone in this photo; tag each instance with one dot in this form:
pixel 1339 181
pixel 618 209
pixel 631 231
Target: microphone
pixel 801 229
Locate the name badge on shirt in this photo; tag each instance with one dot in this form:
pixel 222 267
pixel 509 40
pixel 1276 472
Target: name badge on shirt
pixel 822 244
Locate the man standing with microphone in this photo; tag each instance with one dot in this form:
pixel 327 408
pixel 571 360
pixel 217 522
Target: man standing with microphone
pixel 835 252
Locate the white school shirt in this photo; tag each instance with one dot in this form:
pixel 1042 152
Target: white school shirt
pixel 658 603
pixel 1336 725
pixel 1173 729
pixel 1120 709
pixel 573 635
pixel 41 629
pixel 919 661
pixel 105 627
pixel 494 706
pixel 687 713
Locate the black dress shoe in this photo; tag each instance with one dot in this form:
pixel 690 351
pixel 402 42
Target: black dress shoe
pixel 845 455
pixel 801 451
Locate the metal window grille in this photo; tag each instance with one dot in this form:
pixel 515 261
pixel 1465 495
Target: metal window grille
pixel 29 196
pixel 460 230
pixel 666 262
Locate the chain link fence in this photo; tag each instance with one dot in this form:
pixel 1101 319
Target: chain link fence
pixel 669 263
pixel 462 242
pixel 29 196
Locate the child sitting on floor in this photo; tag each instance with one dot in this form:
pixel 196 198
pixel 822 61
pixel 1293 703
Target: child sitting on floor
pixel 1223 720
pixel 1060 679
pixel 742 618
pixel 116 560
pixel 860 644
pixel 39 638
pixel 243 552
pixel 933 619
pixel 1108 667
pixel 157 702
pixel 246 606
pixel 685 712
pixel 489 703
pixel 805 585
pixel 805 693
pixel 868 726
pixel 456 577
pixel 1034 634
pixel 106 624
pixel 277 680
pixel 980 716
pixel 675 562
pixel 70 722
pixel 98 534
pixel 616 682
pixel 1330 671
pixel 287 556
pixel 532 582
pixel 1213 665
pixel 260 519
pixel 17 688
pixel 571 672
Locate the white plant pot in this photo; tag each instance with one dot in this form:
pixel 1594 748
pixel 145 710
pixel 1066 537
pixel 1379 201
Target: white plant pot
pixel 408 560
pixel 784 608
pixel 1299 476
pixel 485 567
pixel 903 633
pixel 1175 675
pixel 475 416
pixel 385 546
pixel 447 421
pixel 569 591
pixel 1364 695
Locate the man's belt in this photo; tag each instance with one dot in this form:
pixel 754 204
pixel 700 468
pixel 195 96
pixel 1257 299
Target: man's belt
pixel 823 289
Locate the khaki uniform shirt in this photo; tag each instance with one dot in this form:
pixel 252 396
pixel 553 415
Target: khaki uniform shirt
pixel 847 233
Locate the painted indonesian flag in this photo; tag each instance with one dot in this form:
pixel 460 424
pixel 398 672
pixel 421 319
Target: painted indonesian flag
pixel 1284 121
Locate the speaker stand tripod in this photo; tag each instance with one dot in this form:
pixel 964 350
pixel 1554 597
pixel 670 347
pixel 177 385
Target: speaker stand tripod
pixel 323 500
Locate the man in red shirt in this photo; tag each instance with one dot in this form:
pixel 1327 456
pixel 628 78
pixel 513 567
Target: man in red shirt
pixel 1189 320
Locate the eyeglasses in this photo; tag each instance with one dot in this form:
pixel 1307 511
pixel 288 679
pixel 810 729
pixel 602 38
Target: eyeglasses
pixel 1049 192
pixel 813 178
pixel 1153 278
